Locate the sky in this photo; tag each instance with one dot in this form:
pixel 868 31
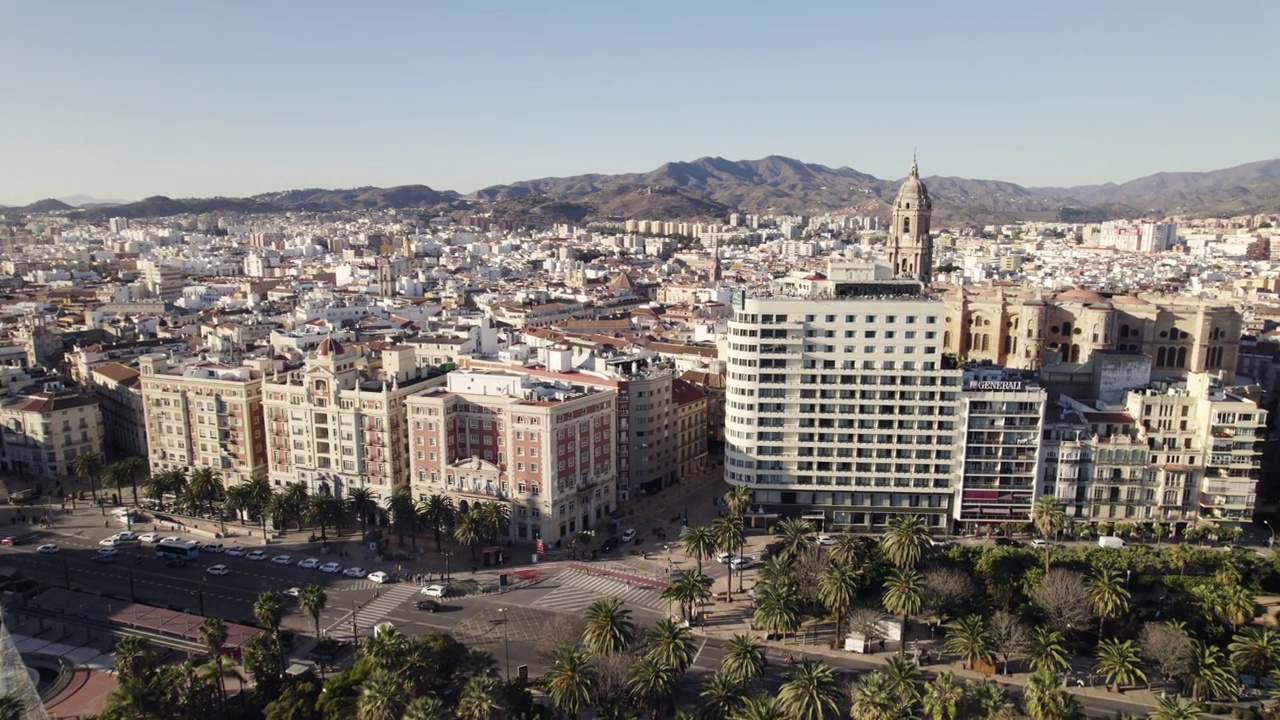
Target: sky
pixel 128 99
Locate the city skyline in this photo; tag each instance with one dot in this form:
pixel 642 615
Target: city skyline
pixel 242 99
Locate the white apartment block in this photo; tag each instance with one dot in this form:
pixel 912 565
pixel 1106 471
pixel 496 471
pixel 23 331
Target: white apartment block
pixel 1003 417
pixel 840 405
pixel 41 435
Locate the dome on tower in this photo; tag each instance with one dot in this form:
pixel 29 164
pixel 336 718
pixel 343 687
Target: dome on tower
pixel 913 193
pixel 328 347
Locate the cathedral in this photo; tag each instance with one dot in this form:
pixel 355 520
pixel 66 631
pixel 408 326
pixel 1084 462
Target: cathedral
pixel 1028 328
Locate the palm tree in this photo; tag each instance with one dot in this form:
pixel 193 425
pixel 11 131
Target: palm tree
pixel 609 627
pixel 235 501
pixel 905 540
pixel 385 648
pixel 744 661
pixel 1209 677
pixel 469 531
pixel 276 508
pixel 729 538
pixel 776 610
pixel 495 518
pixel 131 657
pixel 360 503
pixel 570 681
pixel 688 590
pixel 1181 555
pixel 903 596
pixel 837 589
pixel 426 707
pixel 847 549
pixel 653 685
pixel 1119 662
pixel 440 513
pixel 323 510
pixel 482 698
pixel 11 706
pixel 987 700
pixel 760 707
pixel 115 476
pixel 295 499
pixel 797 538
pixel 1047 651
pixel 737 500
pixel 903 677
pixel 382 697
pixel 1049 518
pixel 313 601
pixel 968 638
pixel 1176 707
pixel 699 543
pixel 213 634
pixel 268 610
pixel 811 692
pixel 206 486
pixel 669 644
pixel 943 698
pixel 721 697
pixel 776 570
pixel 1107 596
pixel 1047 700
pixel 1235 604
pixel 1256 651
pixel 872 698
pixel 88 466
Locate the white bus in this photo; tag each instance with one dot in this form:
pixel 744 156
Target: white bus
pixel 178 549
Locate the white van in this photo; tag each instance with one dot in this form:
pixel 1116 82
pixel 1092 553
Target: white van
pixel 1110 542
pixel 213 547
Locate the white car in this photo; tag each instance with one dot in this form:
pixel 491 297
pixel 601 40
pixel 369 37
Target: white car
pixel 933 542
pixel 825 539
pixel 257 555
pixel 213 548
pixel 380 577
pixel 741 563
pixel 108 552
pixel 293 592
pixel 236 551
pixel 282 559
pixel 1040 543
pixel 331 568
pixel 149 537
pixel 126 536
pixel 111 542
pixel 724 558
pixel 217 570
pixel 354 572
pixel 435 591
pixel 309 564
pixel 171 538
pixel 48 549
pixel 628 536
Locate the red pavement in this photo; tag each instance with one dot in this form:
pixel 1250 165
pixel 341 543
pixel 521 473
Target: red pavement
pixel 83 696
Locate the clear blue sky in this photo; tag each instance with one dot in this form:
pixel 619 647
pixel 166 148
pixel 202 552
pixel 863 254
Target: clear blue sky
pixel 139 97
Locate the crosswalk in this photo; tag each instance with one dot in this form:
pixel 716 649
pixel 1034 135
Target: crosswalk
pixel 576 590
pixel 388 599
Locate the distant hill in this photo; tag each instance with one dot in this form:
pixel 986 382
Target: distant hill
pixel 87 200
pixel 710 188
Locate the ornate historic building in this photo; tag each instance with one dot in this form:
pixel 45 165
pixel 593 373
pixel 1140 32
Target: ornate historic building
pixel 910 245
pixel 1026 329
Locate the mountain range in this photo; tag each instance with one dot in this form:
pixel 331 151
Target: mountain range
pixel 711 187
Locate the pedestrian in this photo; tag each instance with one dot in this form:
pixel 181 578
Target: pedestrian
pixel 881 644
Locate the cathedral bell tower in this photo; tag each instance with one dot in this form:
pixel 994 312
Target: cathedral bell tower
pixel 910 246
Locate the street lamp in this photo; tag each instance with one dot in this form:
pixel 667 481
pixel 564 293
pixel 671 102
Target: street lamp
pixel 506 641
pixel 447 554
pixel 1271 543
pixel 200 591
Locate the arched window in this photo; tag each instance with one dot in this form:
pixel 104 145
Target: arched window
pixel 986 342
pixel 1182 357
pixel 1160 357
pixel 1066 328
pixel 946 339
pixel 1124 331
pixel 1075 354
pixel 906 226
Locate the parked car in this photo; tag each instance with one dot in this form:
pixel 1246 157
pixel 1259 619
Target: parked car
pixel 126 536
pixel 309 564
pixel 609 544
pixel 435 591
pixel 149 537
pixel 282 560
pixel 1007 542
pixel 354 572
pixel 218 570
pixel 1040 543
pixel 939 542
pixel 112 541
pixel 214 548
pixel 825 539
pixel 380 577
pixel 1110 542
pixel 293 592
pixel 629 535
pixel 741 563
pixel 236 551
pixel 256 555
pixel 724 558
pixel 331 568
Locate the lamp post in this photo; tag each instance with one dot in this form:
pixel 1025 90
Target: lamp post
pixel 506 641
pixel 1271 542
pixel 447 554
pixel 355 633
pixel 200 591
